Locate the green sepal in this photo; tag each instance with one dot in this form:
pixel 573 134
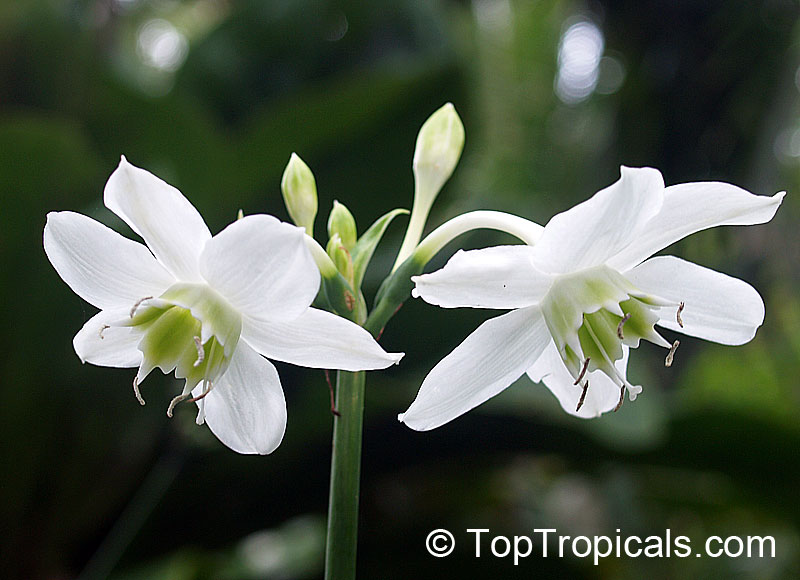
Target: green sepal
pixel 365 247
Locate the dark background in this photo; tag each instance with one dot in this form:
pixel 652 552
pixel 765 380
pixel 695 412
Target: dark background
pixel 214 96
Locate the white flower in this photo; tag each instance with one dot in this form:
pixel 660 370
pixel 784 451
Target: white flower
pixel 206 307
pixel 586 293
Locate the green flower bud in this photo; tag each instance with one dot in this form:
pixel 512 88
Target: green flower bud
pixel 341 257
pixel 300 193
pixel 439 145
pixel 342 223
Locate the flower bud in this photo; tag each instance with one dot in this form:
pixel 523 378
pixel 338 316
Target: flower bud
pixel 438 150
pixel 300 193
pixel 342 223
pixel 341 257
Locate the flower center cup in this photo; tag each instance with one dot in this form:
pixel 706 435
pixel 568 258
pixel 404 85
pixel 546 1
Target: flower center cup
pixel 591 314
pixel 190 329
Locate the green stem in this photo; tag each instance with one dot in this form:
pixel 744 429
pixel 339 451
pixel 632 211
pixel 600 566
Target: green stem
pixel 340 551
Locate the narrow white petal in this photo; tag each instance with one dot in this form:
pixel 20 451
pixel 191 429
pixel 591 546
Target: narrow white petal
pixel 101 266
pixel 317 339
pixel 717 307
pixel 593 231
pixel 602 395
pixel 498 277
pixel 246 409
pixel 691 207
pixel 105 346
pixel 262 267
pixel 167 221
pixel 491 358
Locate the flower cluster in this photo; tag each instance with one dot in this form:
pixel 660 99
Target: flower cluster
pixel 582 291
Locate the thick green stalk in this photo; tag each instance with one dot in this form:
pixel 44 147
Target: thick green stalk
pixel 340 550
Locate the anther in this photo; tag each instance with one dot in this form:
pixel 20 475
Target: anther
pixel 621 398
pixel 671 353
pixel 138 303
pixel 621 324
pixel 136 390
pixel 678 314
pixel 175 401
pixel 583 371
pixel 201 352
pixel 583 396
pixel 102 330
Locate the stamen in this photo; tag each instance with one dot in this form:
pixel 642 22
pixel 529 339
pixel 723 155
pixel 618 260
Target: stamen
pixel 102 330
pixel 136 390
pixel 671 354
pixel 583 371
pixel 583 396
pixel 138 303
pixel 678 314
pixel 621 398
pixel 201 352
pixel 201 413
pixel 209 386
pixel 180 398
pixel 621 324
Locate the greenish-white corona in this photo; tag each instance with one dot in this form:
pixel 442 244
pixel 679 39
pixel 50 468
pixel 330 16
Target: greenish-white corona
pixel 591 314
pixel 190 329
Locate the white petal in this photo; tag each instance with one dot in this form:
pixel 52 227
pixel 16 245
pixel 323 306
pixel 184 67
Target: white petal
pixel 167 221
pixel 317 339
pixel 102 267
pixel 246 410
pixel 593 231
pixel 491 358
pixel 262 267
pixel 691 207
pixel 498 277
pixel 717 307
pixel 98 344
pixel 601 396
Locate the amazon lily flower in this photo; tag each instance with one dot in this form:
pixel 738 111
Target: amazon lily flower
pixel 585 293
pixel 206 307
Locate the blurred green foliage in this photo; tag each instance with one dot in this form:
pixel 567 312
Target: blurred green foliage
pixel 214 96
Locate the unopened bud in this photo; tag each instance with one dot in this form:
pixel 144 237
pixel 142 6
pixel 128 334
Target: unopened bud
pixel 438 150
pixel 342 223
pixel 439 145
pixel 300 193
pixel 341 257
